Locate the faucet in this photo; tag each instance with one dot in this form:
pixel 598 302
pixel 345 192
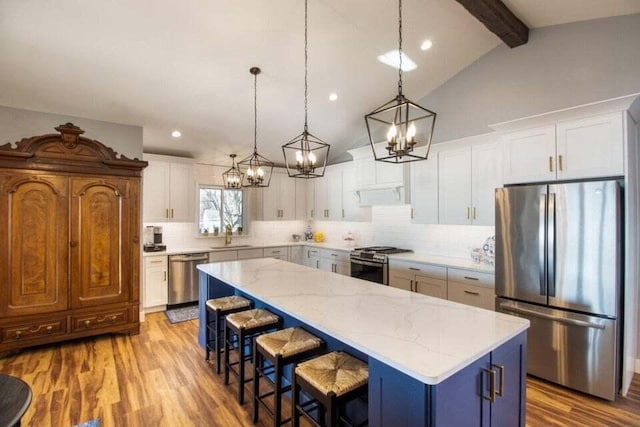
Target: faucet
pixel 227 235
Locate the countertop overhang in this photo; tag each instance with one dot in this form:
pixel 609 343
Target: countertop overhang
pixel 427 338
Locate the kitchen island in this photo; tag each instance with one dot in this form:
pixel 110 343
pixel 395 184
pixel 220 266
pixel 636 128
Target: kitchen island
pixel 432 362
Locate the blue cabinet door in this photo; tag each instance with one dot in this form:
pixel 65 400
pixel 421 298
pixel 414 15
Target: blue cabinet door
pixel 510 365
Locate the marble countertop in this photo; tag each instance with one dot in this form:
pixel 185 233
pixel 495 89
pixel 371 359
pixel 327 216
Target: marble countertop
pixel 239 247
pixel 463 263
pixel 426 338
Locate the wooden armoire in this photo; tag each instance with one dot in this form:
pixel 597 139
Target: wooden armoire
pixel 69 240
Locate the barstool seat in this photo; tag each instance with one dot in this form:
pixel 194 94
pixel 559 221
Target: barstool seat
pixel 228 303
pixel 331 380
pixel 280 348
pixel 245 325
pixel 215 311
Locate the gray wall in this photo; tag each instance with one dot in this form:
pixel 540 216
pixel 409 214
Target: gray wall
pixel 561 66
pixel 16 124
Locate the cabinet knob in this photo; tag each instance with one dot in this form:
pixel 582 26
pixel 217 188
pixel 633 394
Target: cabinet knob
pixel 113 319
pixel 73 243
pixel 136 239
pixel 18 335
pixel 49 329
pixel 87 323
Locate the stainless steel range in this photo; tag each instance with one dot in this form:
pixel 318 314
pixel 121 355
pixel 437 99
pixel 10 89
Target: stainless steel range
pixel 372 263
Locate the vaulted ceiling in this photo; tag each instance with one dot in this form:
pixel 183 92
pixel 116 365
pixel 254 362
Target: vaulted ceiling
pixel 168 65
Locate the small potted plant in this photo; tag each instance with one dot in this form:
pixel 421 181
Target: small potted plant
pixel 216 231
pixel 239 230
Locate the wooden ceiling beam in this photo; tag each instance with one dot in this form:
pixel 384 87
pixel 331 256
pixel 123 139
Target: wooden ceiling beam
pixel 499 20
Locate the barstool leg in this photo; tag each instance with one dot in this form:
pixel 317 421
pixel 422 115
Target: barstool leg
pixel 226 354
pixel 332 411
pixel 207 331
pixel 277 398
pixel 241 339
pixel 295 399
pixel 219 335
pixel 257 362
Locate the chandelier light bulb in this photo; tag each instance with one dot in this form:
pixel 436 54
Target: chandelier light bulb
pixel 312 158
pixel 411 132
pixel 299 157
pixel 260 172
pixel 393 132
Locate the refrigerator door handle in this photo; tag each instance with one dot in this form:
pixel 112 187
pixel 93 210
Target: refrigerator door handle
pixel 573 322
pixel 551 245
pixel 542 232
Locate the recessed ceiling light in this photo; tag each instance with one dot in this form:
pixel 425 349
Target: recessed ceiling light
pixel 391 58
pixel 176 134
pixel 426 45
pixel 333 96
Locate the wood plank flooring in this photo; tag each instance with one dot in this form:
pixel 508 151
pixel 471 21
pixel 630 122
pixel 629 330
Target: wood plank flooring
pixel 160 378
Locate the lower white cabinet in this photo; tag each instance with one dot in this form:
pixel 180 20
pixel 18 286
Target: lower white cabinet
pixel 251 253
pixel 335 261
pixel 156 285
pixel 278 252
pixel 296 254
pixel 219 256
pixel 311 257
pixel 424 279
pixel 459 285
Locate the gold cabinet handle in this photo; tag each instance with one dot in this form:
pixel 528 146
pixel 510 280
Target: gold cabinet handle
pixel 468 212
pixel 165 276
pixel 550 163
pixel 87 323
pixel 471 293
pixel 171 213
pixel 500 391
pixel 560 162
pixel 113 319
pixel 474 212
pixel 492 385
pixel 49 329
pixel 166 213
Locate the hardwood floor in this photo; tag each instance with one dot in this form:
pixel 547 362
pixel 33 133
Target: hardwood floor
pixel 160 378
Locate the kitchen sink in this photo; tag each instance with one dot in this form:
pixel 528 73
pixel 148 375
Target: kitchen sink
pixel 231 247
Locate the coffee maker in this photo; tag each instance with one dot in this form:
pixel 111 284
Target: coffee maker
pixel 153 239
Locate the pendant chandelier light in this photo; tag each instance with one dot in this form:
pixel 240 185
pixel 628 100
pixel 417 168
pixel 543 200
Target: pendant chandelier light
pixel 257 168
pixel 401 123
pixel 232 177
pixel 306 155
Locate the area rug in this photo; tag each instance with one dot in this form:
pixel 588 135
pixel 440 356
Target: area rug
pixel 182 314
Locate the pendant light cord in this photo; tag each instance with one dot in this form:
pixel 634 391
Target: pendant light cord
pixel 255 113
pixel 400 47
pixel 306 62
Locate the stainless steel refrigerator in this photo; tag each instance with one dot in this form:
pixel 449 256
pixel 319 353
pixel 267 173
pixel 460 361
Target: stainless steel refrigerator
pixel 558 264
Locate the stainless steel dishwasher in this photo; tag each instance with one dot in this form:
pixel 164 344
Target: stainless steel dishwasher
pixel 183 277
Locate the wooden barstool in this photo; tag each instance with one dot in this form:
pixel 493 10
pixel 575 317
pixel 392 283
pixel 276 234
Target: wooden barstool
pixel 245 325
pixel 280 348
pixel 216 310
pixel 331 380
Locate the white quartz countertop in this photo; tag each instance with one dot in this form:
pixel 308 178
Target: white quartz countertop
pixel 240 246
pixel 426 338
pixel 463 263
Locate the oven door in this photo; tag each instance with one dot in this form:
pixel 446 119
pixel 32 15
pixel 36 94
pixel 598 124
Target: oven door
pixel 369 270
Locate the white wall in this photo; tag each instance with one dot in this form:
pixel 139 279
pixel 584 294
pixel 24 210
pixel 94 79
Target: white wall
pixel 17 124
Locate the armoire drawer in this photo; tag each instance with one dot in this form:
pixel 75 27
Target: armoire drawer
pixel 37 329
pixel 99 320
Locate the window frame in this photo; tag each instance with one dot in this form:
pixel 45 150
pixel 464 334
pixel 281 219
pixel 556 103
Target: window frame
pixel 222 189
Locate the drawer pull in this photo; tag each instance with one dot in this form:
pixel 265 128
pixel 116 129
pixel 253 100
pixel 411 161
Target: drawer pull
pixel 472 293
pixel 87 323
pixel 334 254
pixel 275 252
pixel 49 329
pixel 113 319
pixel 414 269
pixel 156 262
pixel 18 335
pixel 471 278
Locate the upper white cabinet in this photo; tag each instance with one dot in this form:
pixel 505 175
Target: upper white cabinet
pixel 168 192
pixel 468 175
pixel 584 148
pixel 335 195
pixel 424 190
pixel 279 198
pixel 301 199
pixel 372 175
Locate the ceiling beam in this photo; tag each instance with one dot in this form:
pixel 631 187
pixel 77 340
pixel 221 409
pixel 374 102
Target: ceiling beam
pixel 499 20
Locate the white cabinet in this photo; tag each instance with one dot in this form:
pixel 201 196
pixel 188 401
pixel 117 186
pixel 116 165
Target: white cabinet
pixel 467 179
pixel 279 252
pixel 334 193
pixel 220 256
pixel 321 207
pixel 585 148
pixel 168 192
pixel 425 279
pixel 301 202
pixel 471 288
pixel 351 209
pixel 311 256
pixel 335 261
pixel 156 288
pixel 279 198
pixel 310 210
pixel 424 190
pixel 250 253
pixel 296 254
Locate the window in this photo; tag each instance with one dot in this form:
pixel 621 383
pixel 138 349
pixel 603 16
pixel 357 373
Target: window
pixel 219 207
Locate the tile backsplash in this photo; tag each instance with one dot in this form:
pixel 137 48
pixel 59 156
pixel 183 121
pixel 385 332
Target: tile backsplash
pixel 390 225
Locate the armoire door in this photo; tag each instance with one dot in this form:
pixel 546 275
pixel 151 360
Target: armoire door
pixel 34 267
pixel 100 238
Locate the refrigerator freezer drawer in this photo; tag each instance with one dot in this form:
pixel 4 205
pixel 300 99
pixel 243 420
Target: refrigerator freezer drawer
pixel 574 350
